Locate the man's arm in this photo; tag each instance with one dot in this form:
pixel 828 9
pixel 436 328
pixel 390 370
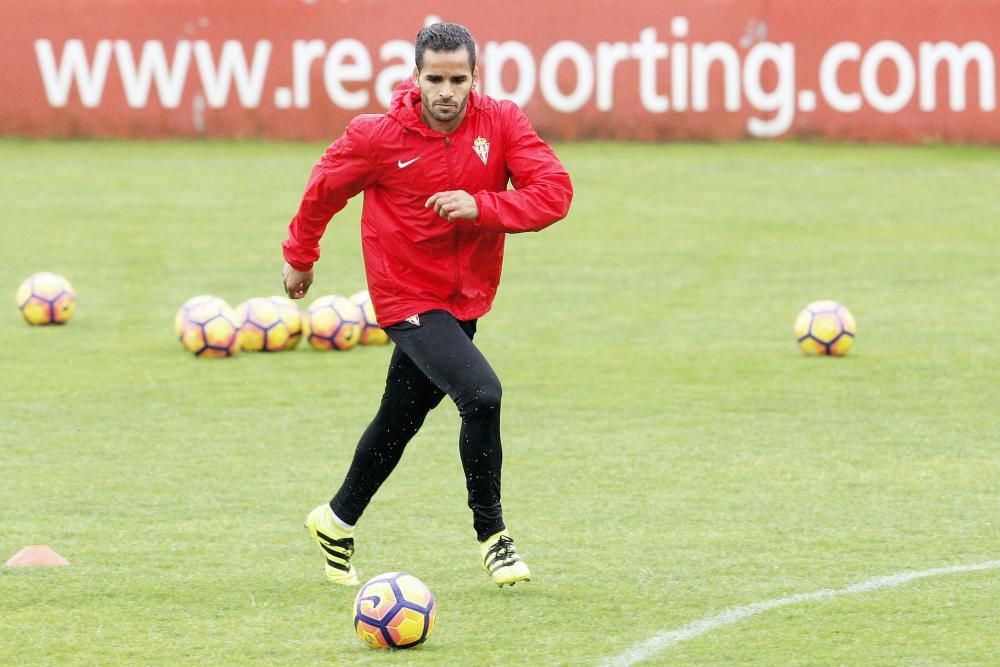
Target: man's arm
pixel 543 190
pixel 342 172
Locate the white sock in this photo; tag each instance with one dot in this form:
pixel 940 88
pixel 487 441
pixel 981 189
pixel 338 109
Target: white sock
pixel 340 522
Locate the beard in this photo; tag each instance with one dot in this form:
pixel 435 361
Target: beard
pixel 444 114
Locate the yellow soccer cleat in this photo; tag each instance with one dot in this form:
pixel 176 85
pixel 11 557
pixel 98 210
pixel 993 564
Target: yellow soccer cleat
pixel 501 561
pixel 337 545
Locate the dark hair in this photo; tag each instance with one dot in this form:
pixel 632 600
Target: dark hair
pixel 444 37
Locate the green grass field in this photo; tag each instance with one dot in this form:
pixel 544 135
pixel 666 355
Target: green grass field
pixel 670 454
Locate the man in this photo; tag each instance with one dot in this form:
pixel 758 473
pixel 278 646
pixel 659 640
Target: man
pixel 434 171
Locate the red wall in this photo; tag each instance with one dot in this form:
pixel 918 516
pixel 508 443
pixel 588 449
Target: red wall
pixel 681 69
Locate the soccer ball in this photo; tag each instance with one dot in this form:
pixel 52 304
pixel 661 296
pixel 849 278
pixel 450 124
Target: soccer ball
pixel 332 323
pixel 269 324
pixel 394 610
pixel 825 328
pixel 371 332
pixel 46 298
pixel 208 327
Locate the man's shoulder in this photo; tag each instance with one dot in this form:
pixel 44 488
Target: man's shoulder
pixel 504 115
pixel 370 131
pixel 369 123
pixel 493 105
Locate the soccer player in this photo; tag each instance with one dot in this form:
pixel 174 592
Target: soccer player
pixel 434 171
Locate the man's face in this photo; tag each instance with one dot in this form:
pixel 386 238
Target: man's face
pixel 445 82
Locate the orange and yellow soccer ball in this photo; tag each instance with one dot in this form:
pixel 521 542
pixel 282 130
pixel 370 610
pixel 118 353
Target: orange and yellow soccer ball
pixel 394 610
pixel 269 324
pixel 208 327
pixel 332 323
pixel 46 298
pixel 825 328
pixel 371 332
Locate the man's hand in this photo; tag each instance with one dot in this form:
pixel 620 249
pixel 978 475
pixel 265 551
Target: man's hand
pixel 297 283
pixel 454 205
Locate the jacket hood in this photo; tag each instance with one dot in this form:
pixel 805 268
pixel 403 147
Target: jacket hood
pixel 405 96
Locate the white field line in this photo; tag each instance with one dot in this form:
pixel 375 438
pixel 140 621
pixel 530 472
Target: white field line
pixel 669 638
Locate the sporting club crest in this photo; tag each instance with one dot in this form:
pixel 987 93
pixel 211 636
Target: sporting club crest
pixel 482 148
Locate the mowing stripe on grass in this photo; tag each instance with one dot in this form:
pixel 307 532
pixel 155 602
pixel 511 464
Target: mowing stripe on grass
pixel 668 638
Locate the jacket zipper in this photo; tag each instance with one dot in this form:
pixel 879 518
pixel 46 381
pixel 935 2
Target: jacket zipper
pixel 458 240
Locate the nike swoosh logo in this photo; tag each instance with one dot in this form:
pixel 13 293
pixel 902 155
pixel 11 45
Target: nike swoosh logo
pixel 402 164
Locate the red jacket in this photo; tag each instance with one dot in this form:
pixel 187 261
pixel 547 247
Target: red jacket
pixel 415 260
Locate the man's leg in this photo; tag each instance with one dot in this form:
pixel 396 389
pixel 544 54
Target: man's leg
pixel 431 359
pixel 407 399
pixel 441 347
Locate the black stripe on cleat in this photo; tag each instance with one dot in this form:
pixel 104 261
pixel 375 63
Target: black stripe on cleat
pixel 343 567
pixel 346 555
pixel 346 543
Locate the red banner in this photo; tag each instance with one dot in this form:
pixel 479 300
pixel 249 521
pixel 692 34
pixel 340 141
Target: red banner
pixel 684 69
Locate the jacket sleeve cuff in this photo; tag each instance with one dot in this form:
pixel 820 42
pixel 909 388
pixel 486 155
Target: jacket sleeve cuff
pixel 293 261
pixel 489 217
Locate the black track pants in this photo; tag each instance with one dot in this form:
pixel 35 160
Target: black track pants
pixel 434 358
